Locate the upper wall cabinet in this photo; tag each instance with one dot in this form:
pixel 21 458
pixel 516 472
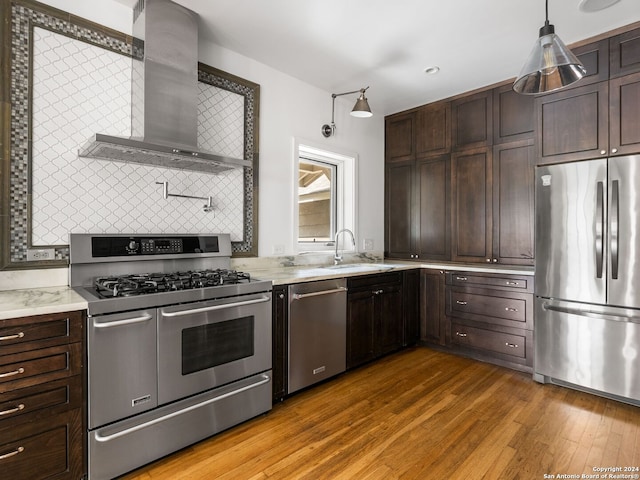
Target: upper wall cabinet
pixel 471 121
pixel 595 58
pixel 433 133
pixel 624 115
pixel 513 117
pixel 399 136
pixel 624 52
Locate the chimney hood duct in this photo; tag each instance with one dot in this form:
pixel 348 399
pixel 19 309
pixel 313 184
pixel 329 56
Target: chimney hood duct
pixel 164 111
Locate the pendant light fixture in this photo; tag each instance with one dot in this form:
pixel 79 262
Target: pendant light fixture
pixel 360 109
pixel 550 66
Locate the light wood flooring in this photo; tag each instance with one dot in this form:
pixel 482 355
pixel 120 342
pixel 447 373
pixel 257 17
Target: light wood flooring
pixel 419 414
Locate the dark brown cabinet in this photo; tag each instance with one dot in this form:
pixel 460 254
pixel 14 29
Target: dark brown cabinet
pixel 280 328
pixel 375 323
pixel 417 212
pixel 411 307
pixel 595 58
pixel 432 307
pixel 400 138
pixel 433 132
pixel 471 205
pixel 471 121
pixel 513 115
pixel 573 124
pixel 624 53
pixel 513 203
pixel 41 401
pixel 491 317
pixel 624 115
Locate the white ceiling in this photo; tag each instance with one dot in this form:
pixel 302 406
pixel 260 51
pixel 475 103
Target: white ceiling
pixel 343 45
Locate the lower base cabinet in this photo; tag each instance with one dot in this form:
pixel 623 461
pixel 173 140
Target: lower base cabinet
pixel 375 314
pixel 490 317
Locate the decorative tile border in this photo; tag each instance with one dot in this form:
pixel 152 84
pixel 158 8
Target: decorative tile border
pixel 24 16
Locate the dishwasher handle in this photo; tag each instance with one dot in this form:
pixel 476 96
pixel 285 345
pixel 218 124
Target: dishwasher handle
pixel 300 296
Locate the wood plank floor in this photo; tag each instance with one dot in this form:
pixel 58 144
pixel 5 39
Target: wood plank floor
pixel 419 414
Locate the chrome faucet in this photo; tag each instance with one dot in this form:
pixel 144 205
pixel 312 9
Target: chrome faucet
pixel 338 258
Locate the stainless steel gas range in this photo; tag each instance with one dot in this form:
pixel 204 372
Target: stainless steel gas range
pixel 178 345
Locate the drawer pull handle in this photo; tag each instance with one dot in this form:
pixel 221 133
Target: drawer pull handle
pixel 458 334
pixel 514 284
pixel 462 279
pixel 377 292
pixel 12 337
pixel 460 302
pixel 11 374
pixel 11 454
pixel 511 309
pixel 12 410
pixel 511 345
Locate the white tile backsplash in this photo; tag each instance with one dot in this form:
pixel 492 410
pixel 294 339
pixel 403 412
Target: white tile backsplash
pixel 81 89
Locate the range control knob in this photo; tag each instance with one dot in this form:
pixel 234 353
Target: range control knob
pixel 132 247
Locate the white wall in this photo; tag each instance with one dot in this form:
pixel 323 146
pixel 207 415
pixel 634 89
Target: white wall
pixel 289 108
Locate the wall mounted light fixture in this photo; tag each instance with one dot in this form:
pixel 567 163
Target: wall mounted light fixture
pixel 550 66
pixel 360 109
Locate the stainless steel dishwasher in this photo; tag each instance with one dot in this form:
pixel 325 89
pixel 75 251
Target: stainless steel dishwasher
pixel 317 332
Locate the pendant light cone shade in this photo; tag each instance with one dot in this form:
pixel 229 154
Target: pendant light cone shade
pixel 550 66
pixel 361 108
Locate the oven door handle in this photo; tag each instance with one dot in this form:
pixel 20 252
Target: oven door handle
pixel 264 378
pixel 190 311
pixel 119 323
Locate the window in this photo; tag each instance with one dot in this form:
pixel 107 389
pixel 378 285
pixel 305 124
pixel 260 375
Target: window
pixel 324 197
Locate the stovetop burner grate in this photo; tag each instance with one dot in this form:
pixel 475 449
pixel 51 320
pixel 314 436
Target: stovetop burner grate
pixel 141 284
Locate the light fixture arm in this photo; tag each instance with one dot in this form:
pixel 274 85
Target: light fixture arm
pixel 328 130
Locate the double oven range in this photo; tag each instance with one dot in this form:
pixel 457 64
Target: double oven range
pixel 178 345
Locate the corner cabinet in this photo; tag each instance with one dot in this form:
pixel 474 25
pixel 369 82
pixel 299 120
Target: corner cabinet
pixel 41 397
pixel 375 323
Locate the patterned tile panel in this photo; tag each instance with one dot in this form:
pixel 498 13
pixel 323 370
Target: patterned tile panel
pixel 81 87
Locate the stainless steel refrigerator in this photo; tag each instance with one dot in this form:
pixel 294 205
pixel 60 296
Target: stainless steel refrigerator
pixel 587 276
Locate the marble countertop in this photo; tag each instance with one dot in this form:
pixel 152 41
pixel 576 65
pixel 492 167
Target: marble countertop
pixel 45 300
pixel 38 301
pixel 286 275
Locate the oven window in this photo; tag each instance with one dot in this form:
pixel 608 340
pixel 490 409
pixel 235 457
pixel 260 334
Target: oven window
pixel 206 346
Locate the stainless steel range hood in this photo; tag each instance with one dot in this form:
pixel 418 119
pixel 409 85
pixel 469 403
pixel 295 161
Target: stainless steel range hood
pixel 164 97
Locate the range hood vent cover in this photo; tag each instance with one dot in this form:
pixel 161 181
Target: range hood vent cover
pixel 164 96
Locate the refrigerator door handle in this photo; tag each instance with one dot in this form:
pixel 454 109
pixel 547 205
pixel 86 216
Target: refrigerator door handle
pixel 591 314
pixel 599 228
pixel 614 228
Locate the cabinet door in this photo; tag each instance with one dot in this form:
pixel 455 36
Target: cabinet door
pixel 433 190
pixel 513 115
pixel 399 137
pixel 432 306
pixel 433 129
pixel 624 128
pixel 279 351
pixel 360 328
pixel 411 306
pixel 624 52
pixel 471 123
pixel 472 205
pixel 389 322
pixel 595 58
pixel 573 124
pixel 513 203
pixel 399 206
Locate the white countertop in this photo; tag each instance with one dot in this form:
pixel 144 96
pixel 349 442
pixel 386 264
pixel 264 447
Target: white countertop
pixel 45 300
pixel 38 301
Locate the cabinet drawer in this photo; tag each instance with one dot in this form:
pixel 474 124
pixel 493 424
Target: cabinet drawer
pixel 39 366
pixel 40 401
pixel 498 307
pixel 463 279
pixel 40 331
pixel 367 281
pixel 488 340
pixel 46 449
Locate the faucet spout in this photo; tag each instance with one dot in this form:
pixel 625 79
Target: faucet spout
pixel 338 258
